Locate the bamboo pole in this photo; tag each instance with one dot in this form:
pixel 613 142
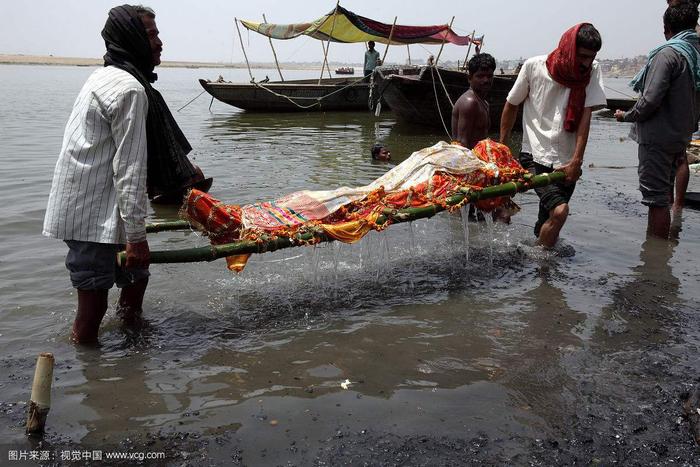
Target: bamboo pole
pixel 40 401
pixel 166 226
pixel 391 36
pixel 328 45
pixel 469 49
pixel 212 252
pixel 235 20
pixel 443 41
pixel 274 54
pixel 323 47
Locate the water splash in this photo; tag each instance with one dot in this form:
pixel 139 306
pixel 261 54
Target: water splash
pixel 412 257
pixel 335 250
pixel 490 239
pixel 384 255
pixel 464 214
pixel 316 263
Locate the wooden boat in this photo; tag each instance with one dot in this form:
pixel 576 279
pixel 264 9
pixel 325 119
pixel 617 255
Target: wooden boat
pixel 338 26
pixel 692 200
pixel 412 97
pixel 292 96
pixel 345 70
pixel 621 104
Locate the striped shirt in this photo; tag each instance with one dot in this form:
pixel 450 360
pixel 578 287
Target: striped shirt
pixel 99 184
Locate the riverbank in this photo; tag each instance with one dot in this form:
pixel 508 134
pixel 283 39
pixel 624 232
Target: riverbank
pixel 20 59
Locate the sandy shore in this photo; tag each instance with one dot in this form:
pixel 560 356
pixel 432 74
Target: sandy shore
pixel 11 59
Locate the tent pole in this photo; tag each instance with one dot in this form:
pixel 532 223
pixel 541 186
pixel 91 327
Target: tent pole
pixel 327 67
pixel 444 38
pixel 328 45
pixel 469 49
pixel 235 20
pixel 408 48
pixel 274 53
pixel 391 36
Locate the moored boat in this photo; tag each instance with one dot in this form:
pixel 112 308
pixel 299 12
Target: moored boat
pixel 345 70
pixel 340 26
pixel 292 96
pixel 427 97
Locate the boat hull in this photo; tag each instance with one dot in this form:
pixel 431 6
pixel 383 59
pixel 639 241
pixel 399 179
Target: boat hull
pixel 412 98
pixel 334 94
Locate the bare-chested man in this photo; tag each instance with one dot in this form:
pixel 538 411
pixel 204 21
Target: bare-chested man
pixel 470 116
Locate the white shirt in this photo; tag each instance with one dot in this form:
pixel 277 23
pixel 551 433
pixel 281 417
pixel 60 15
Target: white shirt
pixel 98 192
pixel 544 111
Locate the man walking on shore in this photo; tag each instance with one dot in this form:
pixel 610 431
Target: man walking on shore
pixel 666 114
pixel 559 92
pixel 120 141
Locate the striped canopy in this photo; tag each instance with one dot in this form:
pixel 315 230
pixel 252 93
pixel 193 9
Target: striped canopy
pixel 342 25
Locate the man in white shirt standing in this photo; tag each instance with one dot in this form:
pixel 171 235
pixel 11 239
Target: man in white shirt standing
pixel 559 92
pixel 98 199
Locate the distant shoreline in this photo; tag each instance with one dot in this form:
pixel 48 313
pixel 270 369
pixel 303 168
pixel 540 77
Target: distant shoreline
pixel 15 59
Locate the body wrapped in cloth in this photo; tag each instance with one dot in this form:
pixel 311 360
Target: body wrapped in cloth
pixel 428 177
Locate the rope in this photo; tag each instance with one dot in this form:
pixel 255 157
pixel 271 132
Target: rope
pixel 191 101
pixel 317 99
pixel 444 88
pixel 620 92
pixel 437 103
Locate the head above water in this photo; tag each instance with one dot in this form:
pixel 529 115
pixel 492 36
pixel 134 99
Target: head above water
pixel 680 16
pixel 131 36
pixel 481 68
pixel 380 152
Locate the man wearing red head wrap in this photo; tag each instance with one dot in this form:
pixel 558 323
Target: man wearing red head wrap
pixel 559 92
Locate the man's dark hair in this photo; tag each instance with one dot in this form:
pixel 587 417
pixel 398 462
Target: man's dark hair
pixel 481 62
pixel 375 150
pixel 588 37
pixel 370 43
pixel 680 17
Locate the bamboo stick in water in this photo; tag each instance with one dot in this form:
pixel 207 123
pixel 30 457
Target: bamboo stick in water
pixel 40 402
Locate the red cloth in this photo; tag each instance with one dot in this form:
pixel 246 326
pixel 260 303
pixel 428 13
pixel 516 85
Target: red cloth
pixel 564 68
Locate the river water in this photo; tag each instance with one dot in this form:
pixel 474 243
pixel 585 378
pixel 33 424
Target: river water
pixel 459 346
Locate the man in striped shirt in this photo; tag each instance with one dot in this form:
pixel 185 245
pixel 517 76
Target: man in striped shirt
pixel 98 198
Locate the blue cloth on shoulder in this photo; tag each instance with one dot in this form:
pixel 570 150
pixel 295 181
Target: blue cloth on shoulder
pixel 685 44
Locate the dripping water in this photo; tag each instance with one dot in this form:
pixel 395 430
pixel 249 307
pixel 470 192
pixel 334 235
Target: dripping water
pixel 464 214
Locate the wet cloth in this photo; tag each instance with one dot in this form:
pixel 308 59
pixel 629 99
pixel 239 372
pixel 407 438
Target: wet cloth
pixel 564 67
pixel 657 172
pixel 93 266
pixel 428 177
pixel 98 193
pixel 128 48
pixel 550 196
pixel 544 109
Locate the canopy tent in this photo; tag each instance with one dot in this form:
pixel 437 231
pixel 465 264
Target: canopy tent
pixel 341 25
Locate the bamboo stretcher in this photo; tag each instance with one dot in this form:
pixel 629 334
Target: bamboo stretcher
pixel 273 243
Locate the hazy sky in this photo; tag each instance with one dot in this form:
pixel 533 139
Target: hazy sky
pixel 205 31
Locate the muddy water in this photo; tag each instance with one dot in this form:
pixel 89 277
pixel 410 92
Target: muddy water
pixel 458 346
